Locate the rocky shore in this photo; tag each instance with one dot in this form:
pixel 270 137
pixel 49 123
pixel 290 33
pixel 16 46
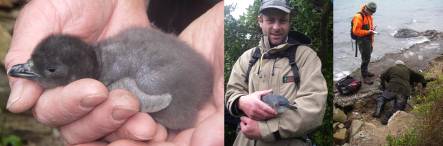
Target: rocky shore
pixel 353 121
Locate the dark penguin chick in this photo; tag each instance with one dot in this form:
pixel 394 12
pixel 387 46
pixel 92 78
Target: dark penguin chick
pixel 278 103
pixel 171 80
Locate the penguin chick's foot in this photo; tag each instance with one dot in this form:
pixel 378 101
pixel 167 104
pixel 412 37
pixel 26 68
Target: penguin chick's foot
pixel 149 103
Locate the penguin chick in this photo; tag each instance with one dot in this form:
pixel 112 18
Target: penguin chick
pixel 171 80
pixel 278 103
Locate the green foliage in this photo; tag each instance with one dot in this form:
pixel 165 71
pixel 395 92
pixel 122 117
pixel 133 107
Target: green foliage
pixel 11 140
pixel 311 17
pixel 411 138
pixel 429 109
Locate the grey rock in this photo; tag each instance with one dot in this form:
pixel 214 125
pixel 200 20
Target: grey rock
pixel 355 126
pixel 341 125
pixel 340 135
pixel 400 122
pixel 369 135
pixel 406 33
pixel 339 115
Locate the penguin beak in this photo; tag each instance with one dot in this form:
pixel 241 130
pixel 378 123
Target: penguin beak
pixel 23 71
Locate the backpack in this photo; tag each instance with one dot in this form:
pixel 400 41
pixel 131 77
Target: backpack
pixel 354 37
pixel 288 53
pixel 348 85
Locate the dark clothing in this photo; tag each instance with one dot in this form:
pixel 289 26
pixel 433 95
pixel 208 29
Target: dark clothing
pixel 399 103
pixel 398 79
pixel 396 83
pixel 365 48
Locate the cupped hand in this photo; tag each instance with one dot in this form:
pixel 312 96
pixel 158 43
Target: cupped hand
pixel 249 128
pixel 254 108
pixel 85 111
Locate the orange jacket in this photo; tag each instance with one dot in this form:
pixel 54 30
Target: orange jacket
pixel 358 25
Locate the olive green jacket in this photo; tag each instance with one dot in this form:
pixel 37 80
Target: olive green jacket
pixel 310 97
pixel 398 78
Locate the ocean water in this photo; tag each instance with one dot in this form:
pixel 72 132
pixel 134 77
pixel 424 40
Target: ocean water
pixel 391 15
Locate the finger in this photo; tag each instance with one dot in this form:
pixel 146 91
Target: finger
pixel 139 127
pixel 161 134
pixel 266 108
pixel 92 144
pixel 24 94
pixel 205 35
pixel 63 105
pixel 126 142
pixel 183 138
pixel 27 34
pixel 242 126
pixel 264 92
pixel 126 14
pixel 104 119
pixel 244 118
pixel 260 115
pixel 210 131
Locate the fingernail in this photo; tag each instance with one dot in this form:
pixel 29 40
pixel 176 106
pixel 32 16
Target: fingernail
pixel 122 114
pixel 16 93
pixel 91 101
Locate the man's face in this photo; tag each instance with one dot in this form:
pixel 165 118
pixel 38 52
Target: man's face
pixel 275 23
pixel 369 12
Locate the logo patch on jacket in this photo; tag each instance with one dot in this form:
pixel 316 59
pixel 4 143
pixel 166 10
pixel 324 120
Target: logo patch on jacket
pixel 287 79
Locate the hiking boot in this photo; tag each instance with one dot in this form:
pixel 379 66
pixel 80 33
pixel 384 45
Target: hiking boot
pixel 378 108
pixel 384 120
pixel 367 81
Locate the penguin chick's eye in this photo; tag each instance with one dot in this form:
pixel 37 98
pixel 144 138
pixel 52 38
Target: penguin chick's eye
pixel 50 69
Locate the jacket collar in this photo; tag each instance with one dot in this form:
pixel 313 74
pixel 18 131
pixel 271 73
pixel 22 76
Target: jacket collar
pixel 293 38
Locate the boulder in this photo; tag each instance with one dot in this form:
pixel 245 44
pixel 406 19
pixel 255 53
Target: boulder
pixel 355 126
pixel 340 135
pixel 338 115
pixel 400 122
pixel 341 125
pixel 406 33
pixel 369 135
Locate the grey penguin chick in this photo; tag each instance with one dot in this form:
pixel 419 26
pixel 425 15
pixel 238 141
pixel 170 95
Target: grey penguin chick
pixel 278 103
pixel 171 80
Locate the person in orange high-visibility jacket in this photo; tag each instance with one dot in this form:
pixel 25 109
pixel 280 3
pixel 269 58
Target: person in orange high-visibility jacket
pixel 363 30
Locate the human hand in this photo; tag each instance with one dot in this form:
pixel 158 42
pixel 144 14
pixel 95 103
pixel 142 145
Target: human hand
pixel 254 108
pixel 83 110
pixel 113 17
pixel 249 128
pixel 210 127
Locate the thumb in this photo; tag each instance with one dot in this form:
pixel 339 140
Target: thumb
pixel 264 92
pixel 24 93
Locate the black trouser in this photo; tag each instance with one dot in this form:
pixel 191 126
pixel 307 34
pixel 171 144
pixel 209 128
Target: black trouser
pixel 365 47
pixel 400 102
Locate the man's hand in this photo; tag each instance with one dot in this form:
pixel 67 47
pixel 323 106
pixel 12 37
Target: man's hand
pixel 85 111
pixel 254 108
pixel 249 128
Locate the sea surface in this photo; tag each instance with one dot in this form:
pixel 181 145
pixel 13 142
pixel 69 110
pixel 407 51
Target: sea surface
pixel 391 15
